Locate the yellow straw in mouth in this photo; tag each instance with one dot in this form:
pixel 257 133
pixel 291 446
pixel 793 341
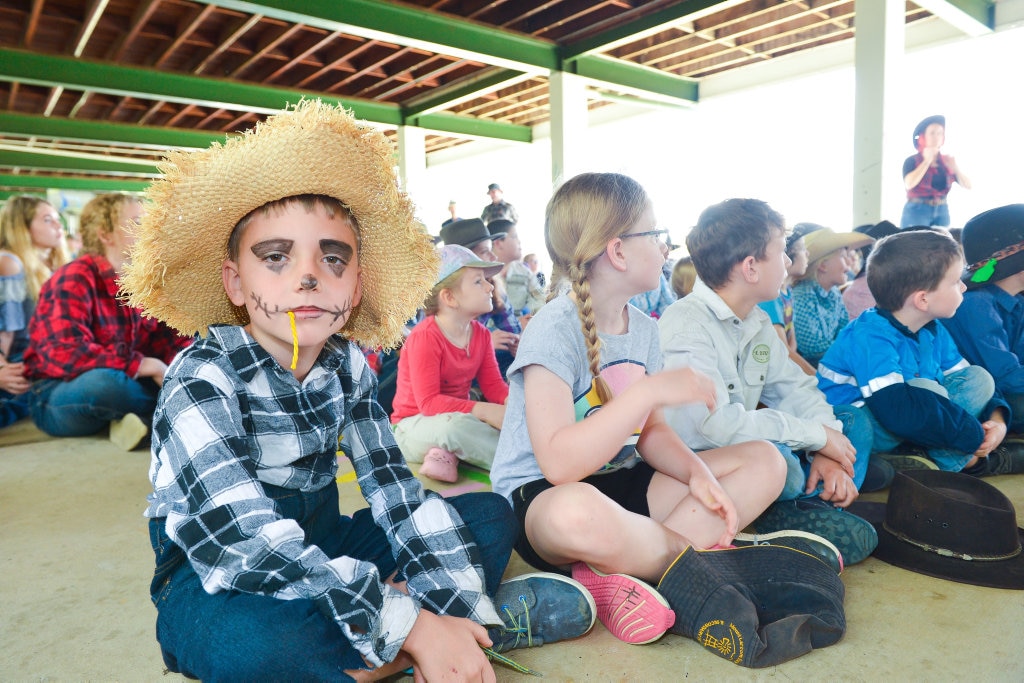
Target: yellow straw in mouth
pixel 295 340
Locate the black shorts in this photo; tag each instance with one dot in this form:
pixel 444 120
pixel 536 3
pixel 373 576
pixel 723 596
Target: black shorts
pixel 628 488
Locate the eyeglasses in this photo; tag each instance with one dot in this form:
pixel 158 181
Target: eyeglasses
pixel 661 235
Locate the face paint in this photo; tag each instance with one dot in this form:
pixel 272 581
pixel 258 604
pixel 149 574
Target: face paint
pixel 339 255
pixel 273 252
pixel 308 282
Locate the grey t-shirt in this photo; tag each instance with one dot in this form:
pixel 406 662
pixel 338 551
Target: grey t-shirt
pixel 554 340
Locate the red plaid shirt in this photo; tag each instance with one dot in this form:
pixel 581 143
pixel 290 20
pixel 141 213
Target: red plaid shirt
pixel 79 325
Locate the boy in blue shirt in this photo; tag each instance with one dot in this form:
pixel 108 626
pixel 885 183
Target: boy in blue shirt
pixel 988 327
pixel 288 248
pixel 904 369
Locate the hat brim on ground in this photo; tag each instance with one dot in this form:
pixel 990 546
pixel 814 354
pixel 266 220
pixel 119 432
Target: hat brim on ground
pixel 892 550
pixel 316 149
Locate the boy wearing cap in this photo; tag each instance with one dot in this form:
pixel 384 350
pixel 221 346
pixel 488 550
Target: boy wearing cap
pixel 436 422
pixel 498 208
pixel 928 176
pixel 738 248
pixel 903 367
pixel 502 321
pixel 988 327
pixel 818 309
pixel 258 576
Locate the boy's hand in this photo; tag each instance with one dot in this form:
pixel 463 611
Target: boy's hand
pixel 683 385
pixel 448 649
pixel 995 432
pixel 837 485
pixel 839 449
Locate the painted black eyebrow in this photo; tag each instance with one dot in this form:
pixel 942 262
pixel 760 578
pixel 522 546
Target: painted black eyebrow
pixel 263 248
pixel 338 247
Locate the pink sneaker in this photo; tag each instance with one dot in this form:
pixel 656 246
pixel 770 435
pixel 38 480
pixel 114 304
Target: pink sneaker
pixel 440 465
pixel 633 611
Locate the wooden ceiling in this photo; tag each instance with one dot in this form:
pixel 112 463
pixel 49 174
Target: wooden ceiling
pixel 92 92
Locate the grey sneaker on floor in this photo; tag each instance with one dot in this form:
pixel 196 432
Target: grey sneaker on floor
pixel 541 608
pixel 1007 458
pixel 854 537
pixel 804 541
pixel 907 460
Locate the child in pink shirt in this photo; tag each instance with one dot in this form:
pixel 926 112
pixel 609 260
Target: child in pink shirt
pixel 436 421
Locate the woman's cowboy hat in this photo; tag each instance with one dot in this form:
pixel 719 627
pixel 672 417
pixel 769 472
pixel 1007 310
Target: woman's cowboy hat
pixel 315 148
pixel 921 127
pixel 948 525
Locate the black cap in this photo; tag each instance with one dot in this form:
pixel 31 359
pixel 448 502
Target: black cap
pixel 468 232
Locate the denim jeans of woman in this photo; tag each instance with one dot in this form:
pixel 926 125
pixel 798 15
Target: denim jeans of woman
pixel 919 213
pixel 86 404
pixel 232 635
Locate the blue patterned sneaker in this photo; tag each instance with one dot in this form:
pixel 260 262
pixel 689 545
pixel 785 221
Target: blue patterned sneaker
pixel 804 541
pixel 854 537
pixel 541 608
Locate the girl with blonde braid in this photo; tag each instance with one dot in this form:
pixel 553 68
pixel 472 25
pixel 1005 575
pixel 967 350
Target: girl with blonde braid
pixel 602 486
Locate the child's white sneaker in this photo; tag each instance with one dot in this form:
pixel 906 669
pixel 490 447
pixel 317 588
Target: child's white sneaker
pixel 128 432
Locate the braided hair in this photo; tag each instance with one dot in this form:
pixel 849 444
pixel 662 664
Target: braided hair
pixel 583 215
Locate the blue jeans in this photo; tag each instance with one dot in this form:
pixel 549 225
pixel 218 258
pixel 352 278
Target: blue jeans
pixel 918 213
pixel 12 407
pixel 857 428
pixel 232 635
pixel 971 389
pixel 87 403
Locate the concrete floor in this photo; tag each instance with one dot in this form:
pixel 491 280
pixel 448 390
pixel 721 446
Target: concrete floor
pixel 76 564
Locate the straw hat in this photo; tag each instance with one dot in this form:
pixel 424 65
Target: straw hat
pixel 315 148
pixel 823 241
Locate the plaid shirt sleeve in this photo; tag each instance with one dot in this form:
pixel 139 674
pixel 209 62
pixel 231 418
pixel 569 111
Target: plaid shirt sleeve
pixel 434 548
pixel 80 325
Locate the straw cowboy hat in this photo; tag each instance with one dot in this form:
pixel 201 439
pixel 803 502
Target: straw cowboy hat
pixel 948 525
pixel 315 148
pixel 821 241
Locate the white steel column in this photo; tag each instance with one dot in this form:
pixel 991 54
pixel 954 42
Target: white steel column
pixel 568 100
pixel 412 161
pixel 878 56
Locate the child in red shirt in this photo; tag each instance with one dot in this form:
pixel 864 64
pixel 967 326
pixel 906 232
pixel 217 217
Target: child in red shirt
pixel 436 421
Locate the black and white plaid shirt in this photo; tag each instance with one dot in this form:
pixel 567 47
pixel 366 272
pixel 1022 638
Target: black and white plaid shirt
pixel 230 417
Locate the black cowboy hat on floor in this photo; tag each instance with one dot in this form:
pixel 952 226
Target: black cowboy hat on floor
pixel 950 526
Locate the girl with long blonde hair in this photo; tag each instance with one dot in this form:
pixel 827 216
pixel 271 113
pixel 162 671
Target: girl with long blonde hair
pixel 604 488
pixel 31 247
